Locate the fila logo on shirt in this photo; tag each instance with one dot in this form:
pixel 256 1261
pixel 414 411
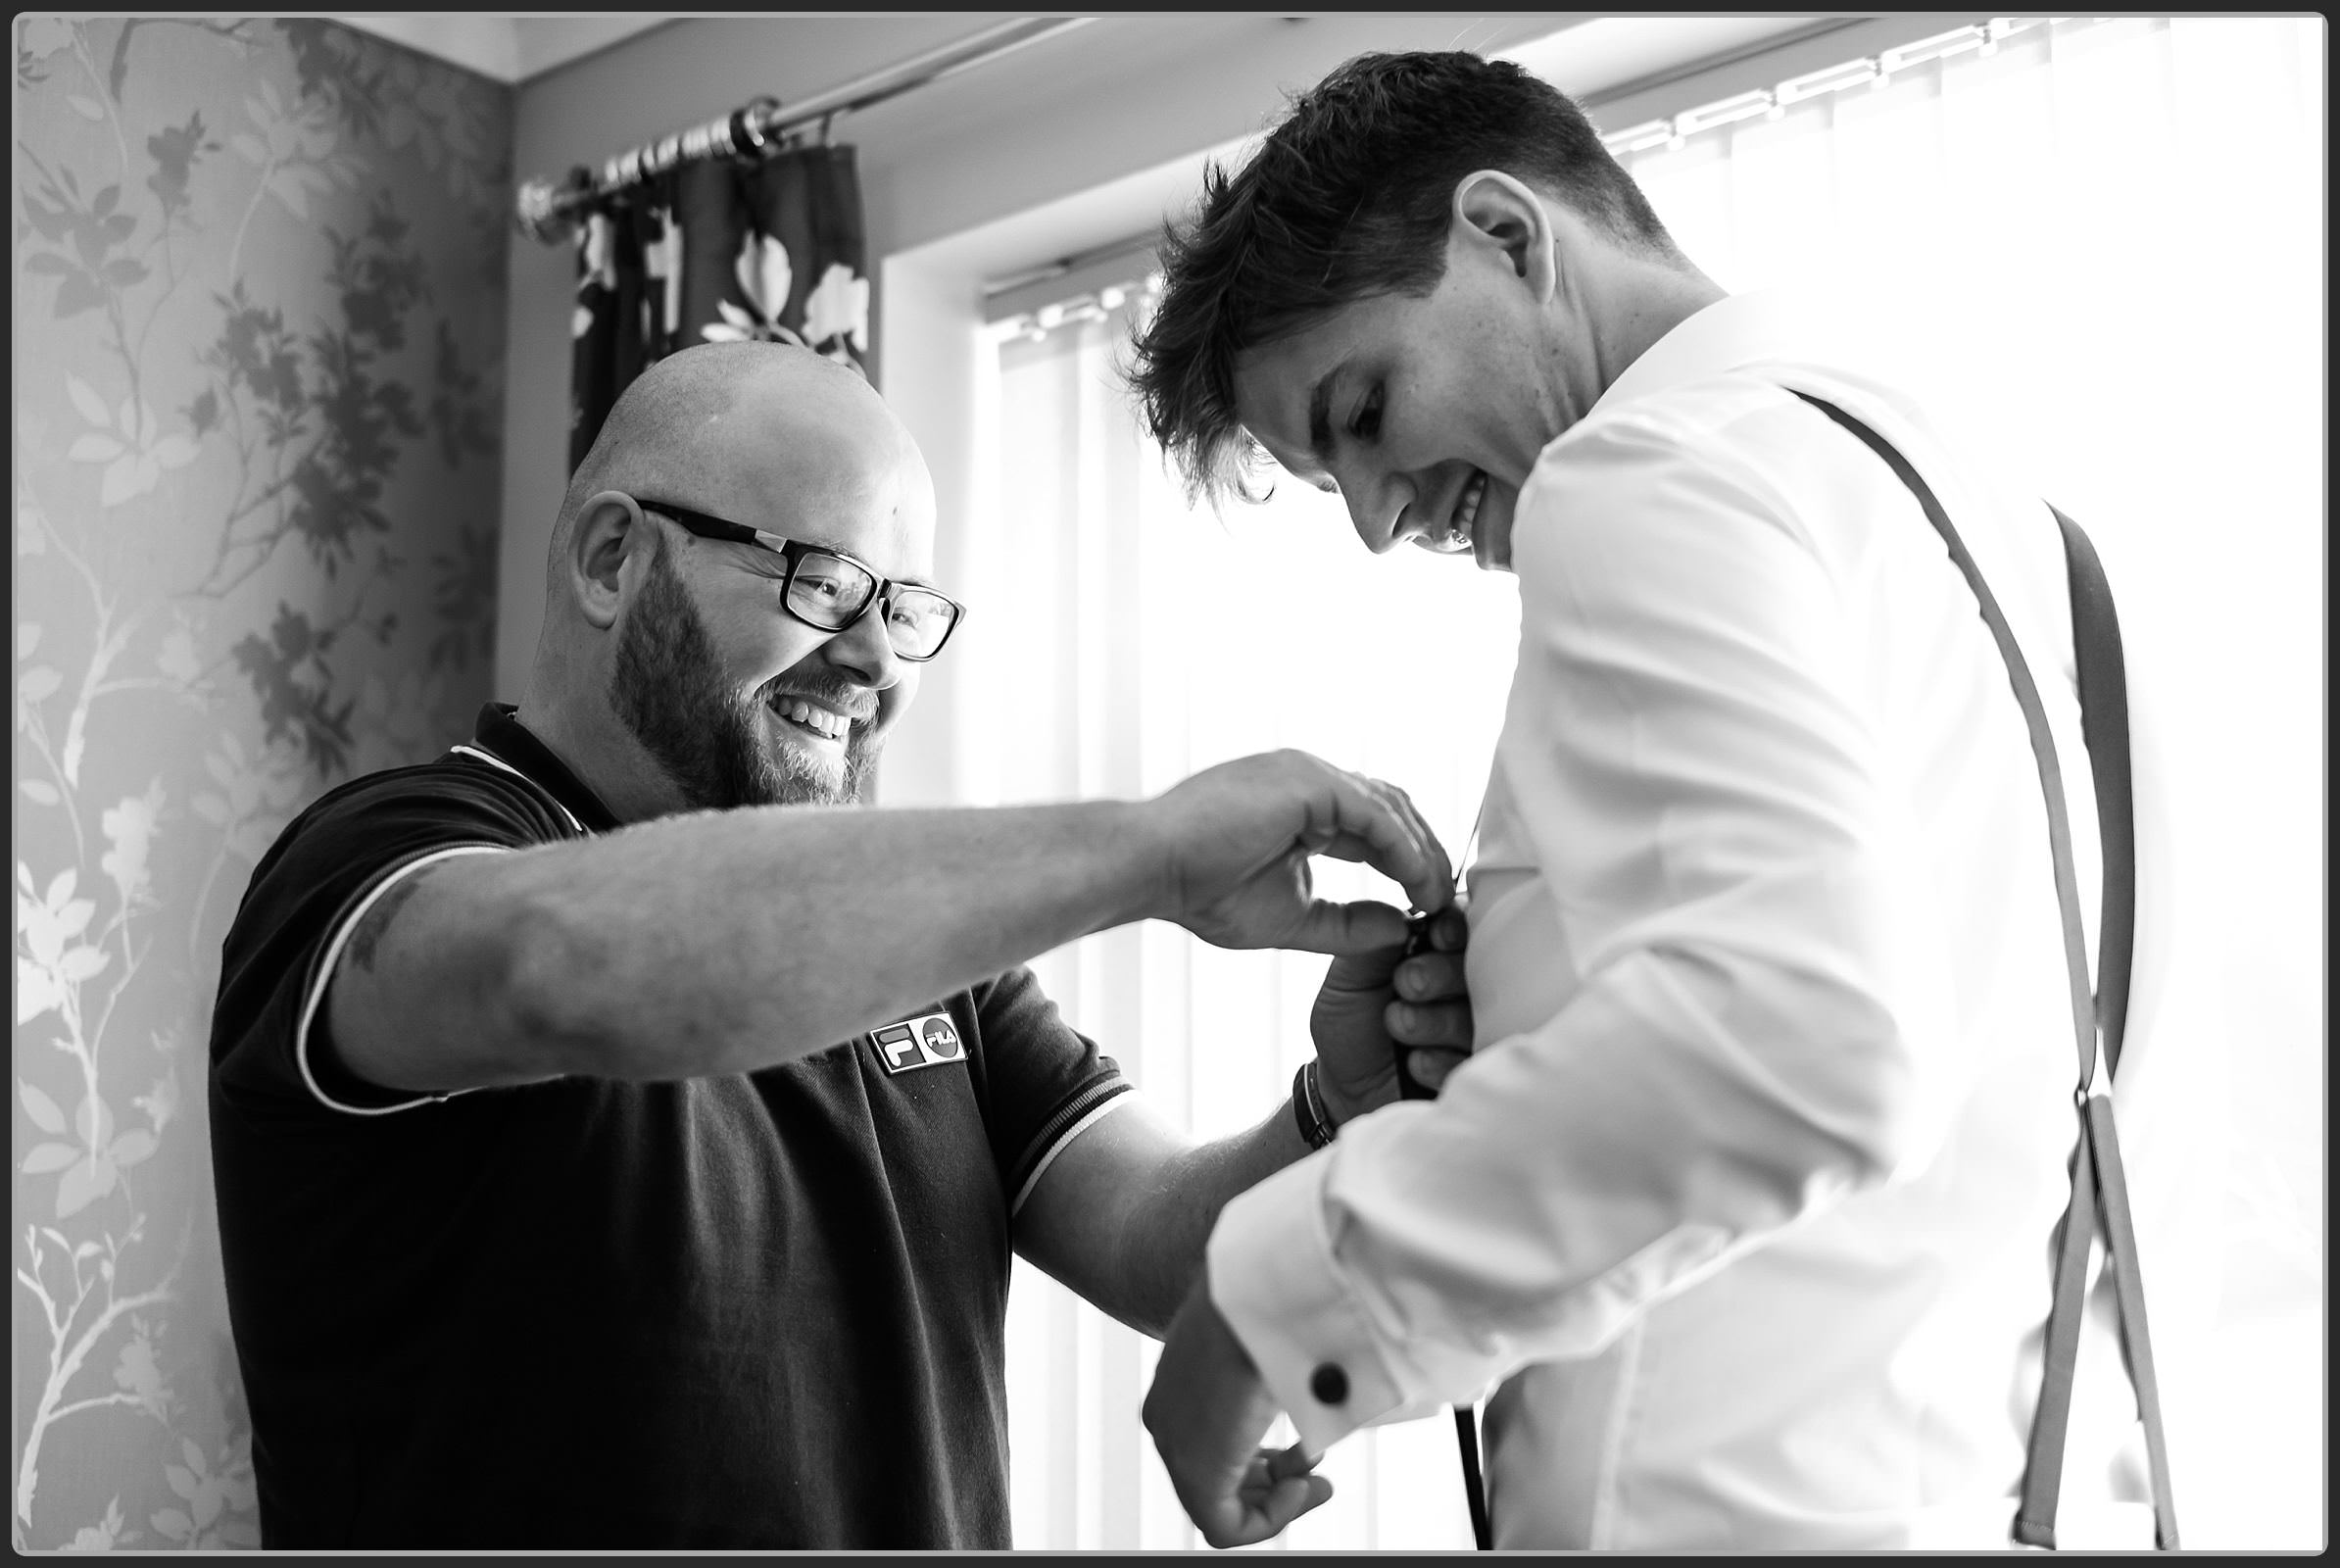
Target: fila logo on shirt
pixel 924 1042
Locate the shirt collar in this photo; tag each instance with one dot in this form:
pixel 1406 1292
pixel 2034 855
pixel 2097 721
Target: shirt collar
pixel 500 734
pixel 1735 330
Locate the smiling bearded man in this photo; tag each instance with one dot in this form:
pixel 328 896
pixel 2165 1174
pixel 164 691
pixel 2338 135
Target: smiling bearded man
pixel 622 1131
pixel 671 695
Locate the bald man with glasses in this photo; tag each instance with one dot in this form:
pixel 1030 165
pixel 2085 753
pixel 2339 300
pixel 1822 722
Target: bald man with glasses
pixel 621 1132
pixel 829 589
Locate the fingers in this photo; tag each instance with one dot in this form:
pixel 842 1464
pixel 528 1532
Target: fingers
pixel 1239 840
pixel 1345 928
pixel 1359 928
pixel 1430 977
pixel 1430 1066
pixel 1292 1461
pixel 1433 1005
pixel 1265 1502
pixel 1366 971
pixel 1414 1023
pixel 1376 822
pixel 1206 1412
pixel 1437 888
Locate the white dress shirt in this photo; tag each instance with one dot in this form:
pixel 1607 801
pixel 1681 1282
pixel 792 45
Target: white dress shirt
pixel 1746 1194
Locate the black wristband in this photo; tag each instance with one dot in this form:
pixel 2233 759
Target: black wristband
pixel 1307 1111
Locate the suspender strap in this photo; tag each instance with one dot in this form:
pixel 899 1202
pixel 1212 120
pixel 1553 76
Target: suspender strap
pixel 1465 1440
pixel 2129 1285
pixel 2104 721
pixel 2098 1185
pixel 2104 718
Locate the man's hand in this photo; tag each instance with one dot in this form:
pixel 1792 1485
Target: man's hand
pixel 1208 1411
pixel 1373 1002
pixel 1237 841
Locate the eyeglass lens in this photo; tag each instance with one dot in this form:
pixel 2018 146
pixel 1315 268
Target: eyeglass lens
pixel 831 593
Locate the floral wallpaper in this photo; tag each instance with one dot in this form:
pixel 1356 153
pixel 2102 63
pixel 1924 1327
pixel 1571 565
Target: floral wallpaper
pixel 259 328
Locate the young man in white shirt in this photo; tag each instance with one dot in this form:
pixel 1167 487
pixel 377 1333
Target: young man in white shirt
pixel 1747 1197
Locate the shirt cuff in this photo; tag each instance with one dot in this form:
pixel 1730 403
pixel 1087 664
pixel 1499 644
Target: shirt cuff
pixel 1273 1278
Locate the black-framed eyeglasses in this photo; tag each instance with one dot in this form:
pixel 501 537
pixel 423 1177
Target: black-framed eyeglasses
pixel 830 590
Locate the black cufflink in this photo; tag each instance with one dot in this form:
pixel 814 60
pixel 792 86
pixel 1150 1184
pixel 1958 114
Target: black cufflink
pixel 1328 1384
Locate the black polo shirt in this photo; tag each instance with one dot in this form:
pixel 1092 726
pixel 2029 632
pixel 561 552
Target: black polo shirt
pixel 764 1310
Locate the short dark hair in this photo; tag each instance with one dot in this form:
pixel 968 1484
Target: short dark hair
pixel 1350 197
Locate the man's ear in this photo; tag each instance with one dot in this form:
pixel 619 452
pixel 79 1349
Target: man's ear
pixel 1501 218
pixel 610 530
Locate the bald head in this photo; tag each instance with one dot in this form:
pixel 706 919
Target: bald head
pixel 664 650
pixel 742 430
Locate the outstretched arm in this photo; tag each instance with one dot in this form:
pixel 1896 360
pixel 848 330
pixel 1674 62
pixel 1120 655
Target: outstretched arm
pixel 725 942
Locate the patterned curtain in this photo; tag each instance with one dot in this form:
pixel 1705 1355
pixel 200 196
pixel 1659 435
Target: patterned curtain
pixel 714 251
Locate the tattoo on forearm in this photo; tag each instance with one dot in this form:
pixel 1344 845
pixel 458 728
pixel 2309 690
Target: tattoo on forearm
pixel 377 919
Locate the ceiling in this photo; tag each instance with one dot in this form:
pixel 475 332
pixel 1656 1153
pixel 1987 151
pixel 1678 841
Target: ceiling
pixel 1600 52
pixel 509 49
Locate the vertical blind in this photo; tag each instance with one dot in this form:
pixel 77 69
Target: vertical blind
pixel 2107 236
pixel 1137 641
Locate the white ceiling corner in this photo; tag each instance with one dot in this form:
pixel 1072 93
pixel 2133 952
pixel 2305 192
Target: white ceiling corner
pixel 546 42
pixel 507 49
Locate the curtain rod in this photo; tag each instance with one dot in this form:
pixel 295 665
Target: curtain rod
pixel 545 209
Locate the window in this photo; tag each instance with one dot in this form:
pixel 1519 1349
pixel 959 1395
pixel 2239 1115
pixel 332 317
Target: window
pixel 1178 639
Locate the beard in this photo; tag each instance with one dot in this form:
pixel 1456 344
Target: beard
pixel 670 692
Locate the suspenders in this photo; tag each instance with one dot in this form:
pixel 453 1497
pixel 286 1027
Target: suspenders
pixel 2099 1189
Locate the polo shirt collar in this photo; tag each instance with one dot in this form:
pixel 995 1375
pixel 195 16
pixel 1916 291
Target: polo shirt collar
pixel 501 733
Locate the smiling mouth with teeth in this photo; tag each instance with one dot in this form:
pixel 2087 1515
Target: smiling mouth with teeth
pixel 1457 537
pixel 805 715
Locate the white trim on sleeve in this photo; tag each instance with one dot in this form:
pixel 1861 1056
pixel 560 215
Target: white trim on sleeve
pixel 1061 1144
pixel 324 976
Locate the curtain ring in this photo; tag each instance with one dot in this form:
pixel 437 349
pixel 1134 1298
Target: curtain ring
pixel 746 134
pixel 828 124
